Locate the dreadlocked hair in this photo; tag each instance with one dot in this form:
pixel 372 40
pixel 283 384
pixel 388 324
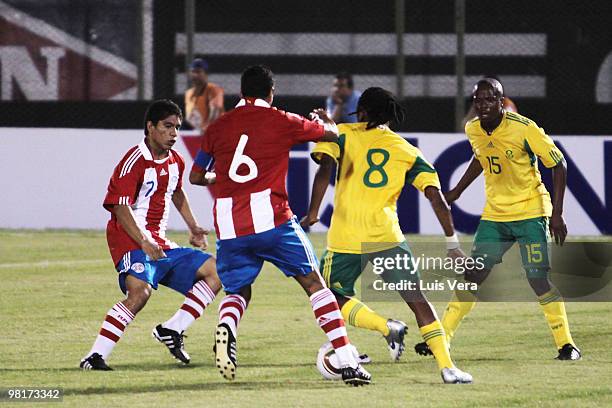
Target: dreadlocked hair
pixel 381 107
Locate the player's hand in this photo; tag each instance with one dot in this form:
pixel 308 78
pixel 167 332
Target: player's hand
pixel 558 229
pixel 320 115
pixel 455 253
pixel 210 177
pixel 451 196
pixel 198 237
pixel 337 99
pixel 308 220
pixel 152 249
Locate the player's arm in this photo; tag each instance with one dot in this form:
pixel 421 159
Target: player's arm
pixel 330 129
pixel 424 177
pixel 473 171
pixel 319 187
pixel 200 174
pixel 543 146
pixel 125 216
pixel 557 226
pixel 443 214
pixel 197 234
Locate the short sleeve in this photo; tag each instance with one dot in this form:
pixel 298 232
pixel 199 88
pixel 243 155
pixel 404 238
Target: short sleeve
pixel 124 183
pixel 303 130
pixel 540 144
pixel 421 173
pixel 325 148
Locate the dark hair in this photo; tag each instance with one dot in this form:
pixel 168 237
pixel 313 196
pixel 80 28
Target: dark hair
pixel 347 76
pixel 381 107
pixel 493 83
pixel 160 110
pixel 256 81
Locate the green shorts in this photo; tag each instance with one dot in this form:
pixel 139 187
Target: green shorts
pixel 341 270
pixel 493 239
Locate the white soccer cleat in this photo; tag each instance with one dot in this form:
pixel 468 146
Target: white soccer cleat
pixel 455 376
pixel 395 338
pixel 225 352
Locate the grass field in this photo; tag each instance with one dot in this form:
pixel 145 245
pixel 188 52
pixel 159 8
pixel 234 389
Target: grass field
pixel 57 286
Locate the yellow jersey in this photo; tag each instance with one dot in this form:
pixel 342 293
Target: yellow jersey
pixel 372 167
pixel 508 156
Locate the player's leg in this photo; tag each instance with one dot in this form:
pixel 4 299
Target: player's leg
pixel 340 272
pixel 290 250
pixel 491 241
pixel 533 240
pixel 116 321
pixel 237 267
pixel 194 274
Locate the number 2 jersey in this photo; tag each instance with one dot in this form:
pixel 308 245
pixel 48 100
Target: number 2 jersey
pixel 372 167
pixel 513 185
pixel 147 186
pixel 250 146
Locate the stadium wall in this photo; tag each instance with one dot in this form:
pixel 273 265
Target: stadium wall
pixel 57 178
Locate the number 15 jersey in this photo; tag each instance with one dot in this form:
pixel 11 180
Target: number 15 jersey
pixel 250 146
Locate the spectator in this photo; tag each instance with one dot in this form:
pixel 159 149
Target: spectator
pixel 203 101
pixel 343 100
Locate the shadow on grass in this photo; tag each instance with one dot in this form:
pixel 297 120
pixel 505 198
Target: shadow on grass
pixel 206 386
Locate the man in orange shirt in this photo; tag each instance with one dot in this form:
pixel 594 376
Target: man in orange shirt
pixel 203 101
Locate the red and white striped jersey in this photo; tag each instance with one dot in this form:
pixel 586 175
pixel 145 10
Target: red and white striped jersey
pixel 147 186
pixel 250 146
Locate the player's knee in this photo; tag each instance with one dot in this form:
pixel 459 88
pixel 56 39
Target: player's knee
pixel 137 298
pixel 311 282
pixel 540 285
pixel 208 273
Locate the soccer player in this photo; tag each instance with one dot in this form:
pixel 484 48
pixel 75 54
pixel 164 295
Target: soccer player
pixel 373 165
pixel 144 182
pixel 253 221
pixel 518 208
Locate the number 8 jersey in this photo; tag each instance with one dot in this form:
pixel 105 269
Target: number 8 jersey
pixel 250 146
pixel 373 166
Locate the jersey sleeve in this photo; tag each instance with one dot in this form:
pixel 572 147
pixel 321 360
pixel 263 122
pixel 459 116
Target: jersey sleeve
pixel 325 148
pixel 124 183
pixel 540 144
pixel 421 173
pixel 301 129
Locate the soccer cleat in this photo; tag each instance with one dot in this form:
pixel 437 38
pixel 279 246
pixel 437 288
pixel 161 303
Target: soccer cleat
pixel 422 349
pixel 455 376
pixel 225 351
pixel 94 362
pixel 356 376
pixel 395 338
pixel 569 352
pixel 364 359
pixel 174 341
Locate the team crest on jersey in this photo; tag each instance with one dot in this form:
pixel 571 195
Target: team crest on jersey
pixel 138 267
pixel 509 154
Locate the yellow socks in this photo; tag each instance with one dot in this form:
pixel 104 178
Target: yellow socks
pixel 460 305
pixel 554 310
pixel 358 314
pixel 433 334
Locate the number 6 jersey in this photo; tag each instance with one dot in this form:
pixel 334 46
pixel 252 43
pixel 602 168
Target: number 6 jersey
pixel 250 146
pixel 147 186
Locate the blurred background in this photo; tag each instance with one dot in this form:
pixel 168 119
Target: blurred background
pixel 73 69
pixel 96 63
